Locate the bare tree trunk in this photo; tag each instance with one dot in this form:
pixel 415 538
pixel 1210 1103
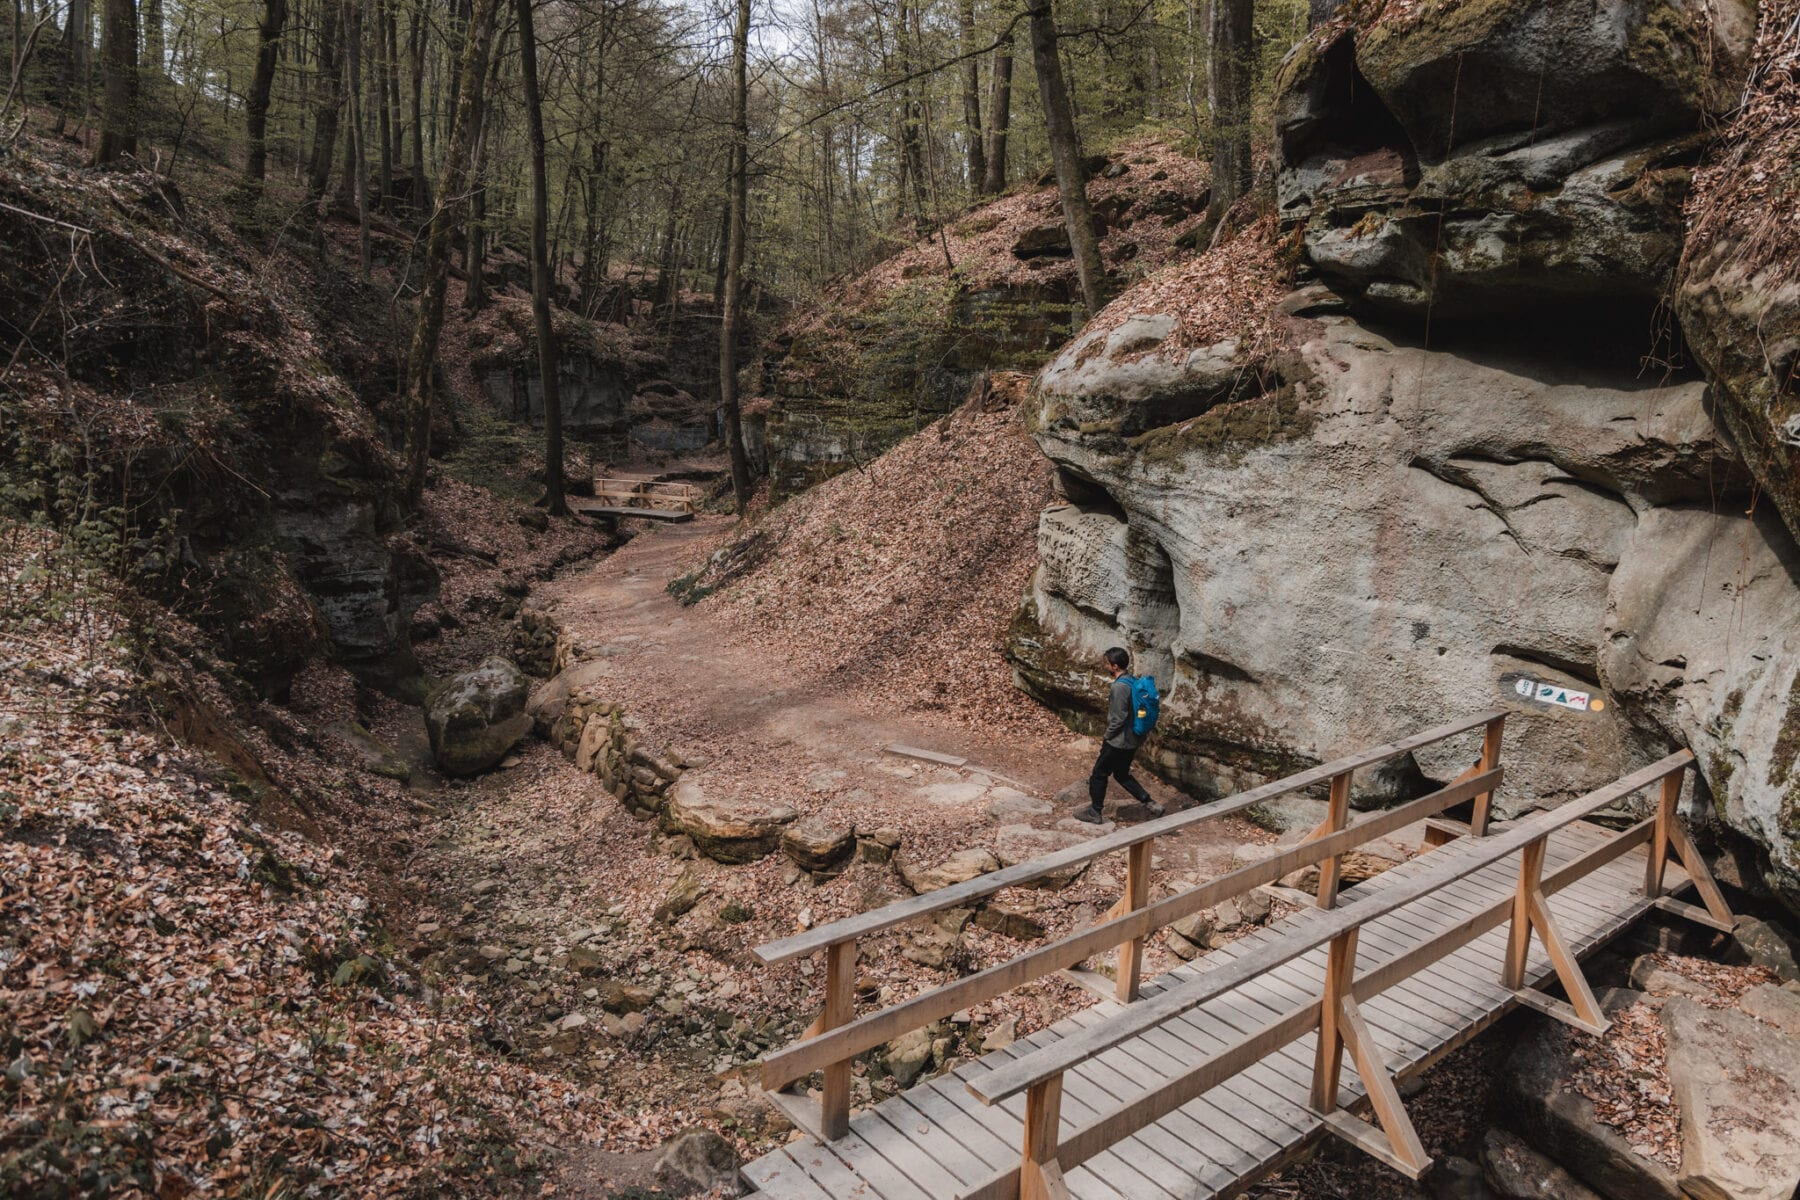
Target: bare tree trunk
pixel 155 51
pixel 416 38
pixel 734 257
pixel 1232 32
pixel 256 109
pixel 475 236
pixel 971 99
pixel 421 360
pixel 359 152
pixel 999 116
pixel 1065 149
pixel 118 50
pixel 76 35
pixel 330 102
pixel 378 69
pixel 556 497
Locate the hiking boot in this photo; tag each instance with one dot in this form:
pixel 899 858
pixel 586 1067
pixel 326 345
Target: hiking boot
pixel 1154 809
pixel 1090 814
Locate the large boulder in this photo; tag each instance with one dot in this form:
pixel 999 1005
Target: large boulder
pixel 475 718
pixel 1503 153
pixel 700 1158
pixel 1736 1081
pixel 727 829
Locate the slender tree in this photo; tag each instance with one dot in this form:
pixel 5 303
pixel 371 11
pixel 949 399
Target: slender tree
pixel 77 35
pixel 971 99
pixel 328 102
pixel 118 50
pixel 256 105
pixel 1065 151
pixel 453 181
pixel 1232 32
pixel 732 315
pixel 999 115
pixel 556 497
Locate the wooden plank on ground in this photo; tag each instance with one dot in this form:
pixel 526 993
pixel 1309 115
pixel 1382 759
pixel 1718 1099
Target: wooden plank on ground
pixel 930 756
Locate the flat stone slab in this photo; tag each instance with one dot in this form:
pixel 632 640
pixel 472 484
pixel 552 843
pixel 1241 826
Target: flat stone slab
pixel 948 794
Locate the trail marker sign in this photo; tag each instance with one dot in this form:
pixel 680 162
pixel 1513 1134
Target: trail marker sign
pixel 1554 693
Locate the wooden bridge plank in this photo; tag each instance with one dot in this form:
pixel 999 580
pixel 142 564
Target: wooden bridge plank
pixel 827 1172
pixel 1185 1152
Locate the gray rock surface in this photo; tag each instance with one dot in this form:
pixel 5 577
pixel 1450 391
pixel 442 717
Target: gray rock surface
pixel 1776 1006
pixel 702 1159
pixel 907 1056
pixel 1736 1081
pixel 474 718
pixel 819 844
pixel 1517 1172
pixel 1542 1106
pixel 960 867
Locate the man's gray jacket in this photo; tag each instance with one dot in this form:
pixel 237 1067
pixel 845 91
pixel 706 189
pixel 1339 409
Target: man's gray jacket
pixel 1118 717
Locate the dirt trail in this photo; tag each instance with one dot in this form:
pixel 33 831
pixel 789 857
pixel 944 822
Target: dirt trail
pixel 544 892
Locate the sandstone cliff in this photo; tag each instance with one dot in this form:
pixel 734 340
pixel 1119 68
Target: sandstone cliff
pixel 1436 437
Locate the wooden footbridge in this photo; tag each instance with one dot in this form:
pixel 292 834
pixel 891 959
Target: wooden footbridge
pixel 641 496
pixel 1203 1080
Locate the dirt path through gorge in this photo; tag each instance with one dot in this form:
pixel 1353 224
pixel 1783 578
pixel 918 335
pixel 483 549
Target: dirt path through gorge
pixel 547 894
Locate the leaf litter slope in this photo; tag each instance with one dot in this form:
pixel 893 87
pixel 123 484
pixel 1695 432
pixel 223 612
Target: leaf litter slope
pixel 898 577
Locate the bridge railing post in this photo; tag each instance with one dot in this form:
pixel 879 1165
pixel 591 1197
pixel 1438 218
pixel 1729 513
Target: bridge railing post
pixel 1669 837
pixel 1040 1175
pixel 1531 912
pixel 1337 815
pixel 1130 967
pixel 840 1007
pixel 1490 758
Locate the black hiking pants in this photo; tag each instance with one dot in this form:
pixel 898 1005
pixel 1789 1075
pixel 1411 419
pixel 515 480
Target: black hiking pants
pixel 1114 763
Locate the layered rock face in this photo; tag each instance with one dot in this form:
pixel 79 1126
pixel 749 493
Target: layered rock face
pixel 994 291
pixel 1323 522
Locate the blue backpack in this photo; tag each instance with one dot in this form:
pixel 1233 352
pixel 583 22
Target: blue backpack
pixel 1146 705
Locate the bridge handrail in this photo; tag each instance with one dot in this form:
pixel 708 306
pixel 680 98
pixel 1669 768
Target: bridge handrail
pixel 1046 1154
pixel 959 895
pixel 1050 1061
pixel 837 1035
pixel 865 1033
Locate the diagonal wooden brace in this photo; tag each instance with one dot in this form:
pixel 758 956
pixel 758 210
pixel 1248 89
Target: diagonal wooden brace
pixel 1531 912
pixel 1341 1028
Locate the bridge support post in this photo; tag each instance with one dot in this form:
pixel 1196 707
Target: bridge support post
pixel 1341 1028
pixel 1336 816
pixel 1137 894
pixel 1531 911
pixel 1669 835
pixel 1040 1175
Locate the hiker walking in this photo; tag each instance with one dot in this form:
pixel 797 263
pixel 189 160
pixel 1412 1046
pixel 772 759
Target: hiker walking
pixel 1129 716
